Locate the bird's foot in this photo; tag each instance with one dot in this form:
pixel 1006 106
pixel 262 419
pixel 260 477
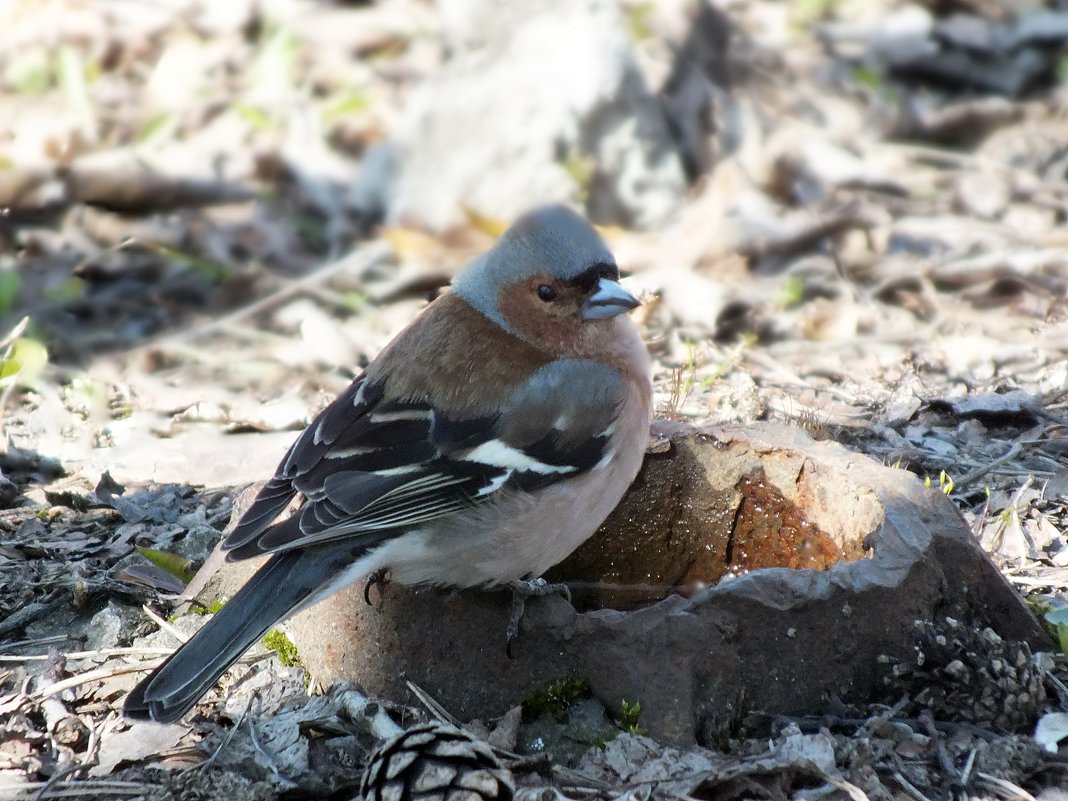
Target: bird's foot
pixel 379 578
pixel 522 591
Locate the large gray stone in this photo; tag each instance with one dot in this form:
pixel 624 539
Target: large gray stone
pixel 540 101
pixel 778 639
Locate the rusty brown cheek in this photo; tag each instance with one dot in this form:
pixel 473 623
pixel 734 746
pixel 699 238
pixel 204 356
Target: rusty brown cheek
pixel 552 327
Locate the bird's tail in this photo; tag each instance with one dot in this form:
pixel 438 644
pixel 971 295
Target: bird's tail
pixel 272 594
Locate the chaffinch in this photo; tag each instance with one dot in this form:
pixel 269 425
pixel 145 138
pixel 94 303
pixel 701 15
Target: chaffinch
pixel 486 442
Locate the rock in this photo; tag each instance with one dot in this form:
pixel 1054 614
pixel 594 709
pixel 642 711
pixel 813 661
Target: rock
pixel 585 725
pixel 371 192
pixel 197 543
pixel 140 741
pixel 108 627
pixel 161 638
pixel 983 194
pixel 8 492
pixel 698 41
pixel 172 785
pixel 818 561
pixel 539 102
pixel 635 760
pixel 139 455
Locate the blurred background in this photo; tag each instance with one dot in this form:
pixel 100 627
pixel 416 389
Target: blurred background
pixel 848 215
pixel 845 215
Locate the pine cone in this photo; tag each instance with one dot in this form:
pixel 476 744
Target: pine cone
pixel 966 673
pixel 435 762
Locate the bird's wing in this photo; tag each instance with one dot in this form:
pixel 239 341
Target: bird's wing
pixel 370 468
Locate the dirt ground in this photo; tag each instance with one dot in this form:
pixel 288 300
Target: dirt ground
pixel 213 215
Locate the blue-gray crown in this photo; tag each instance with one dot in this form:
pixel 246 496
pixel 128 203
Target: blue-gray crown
pixel 551 240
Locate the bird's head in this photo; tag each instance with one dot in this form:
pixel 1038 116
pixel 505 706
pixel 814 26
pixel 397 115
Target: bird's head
pixel 549 280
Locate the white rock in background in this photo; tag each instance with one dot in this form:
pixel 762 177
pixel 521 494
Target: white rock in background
pixel 541 101
pixel 1051 729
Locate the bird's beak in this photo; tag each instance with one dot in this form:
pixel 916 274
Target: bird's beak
pixel 607 301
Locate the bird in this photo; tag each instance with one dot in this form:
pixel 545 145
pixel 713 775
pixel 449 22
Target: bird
pixel 485 442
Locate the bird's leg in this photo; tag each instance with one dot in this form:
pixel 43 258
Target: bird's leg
pixel 377 579
pixel 522 591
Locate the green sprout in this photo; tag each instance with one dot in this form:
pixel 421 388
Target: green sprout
pixel 628 717
pixel 10 286
pixel 199 609
pixel 638 20
pixel 555 700
pixel 1055 619
pixel 945 483
pixel 791 292
pixel 1060 68
pixel 287 652
pixel 581 169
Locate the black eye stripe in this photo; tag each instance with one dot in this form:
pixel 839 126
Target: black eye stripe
pixel 587 279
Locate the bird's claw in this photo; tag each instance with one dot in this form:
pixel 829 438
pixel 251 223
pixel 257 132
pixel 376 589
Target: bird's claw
pixel 522 591
pixel 377 579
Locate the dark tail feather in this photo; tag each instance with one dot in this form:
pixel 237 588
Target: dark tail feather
pixel 270 595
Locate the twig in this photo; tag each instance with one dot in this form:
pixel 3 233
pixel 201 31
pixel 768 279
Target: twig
pixel 359 260
pixel 1043 580
pixel 941 156
pixel 15 333
pixel 41 693
pixel 30 612
pixel 101 653
pixel 268 759
pixel 1059 688
pixel 163 624
pixel 908 786
pixel 847 787
pixel 359 707
pixel 58 638
pixel 868 729
pixel 944 761
pixel 92 750
pixel 1009 791
pixel 55 779
pixel 226 740
pixel 83 788
pixel 788 377
pixel 811 723
pixel 1008 456
pixel 436 710
pixel 969 766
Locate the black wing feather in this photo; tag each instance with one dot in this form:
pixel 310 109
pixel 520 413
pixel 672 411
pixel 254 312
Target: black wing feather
pixel 374 468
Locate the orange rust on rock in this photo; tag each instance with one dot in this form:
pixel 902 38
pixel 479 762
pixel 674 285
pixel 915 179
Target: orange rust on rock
pixel 771 531
pixel 687 534
pixel 768 531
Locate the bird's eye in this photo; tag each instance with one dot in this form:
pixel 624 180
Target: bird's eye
pixel 546 293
